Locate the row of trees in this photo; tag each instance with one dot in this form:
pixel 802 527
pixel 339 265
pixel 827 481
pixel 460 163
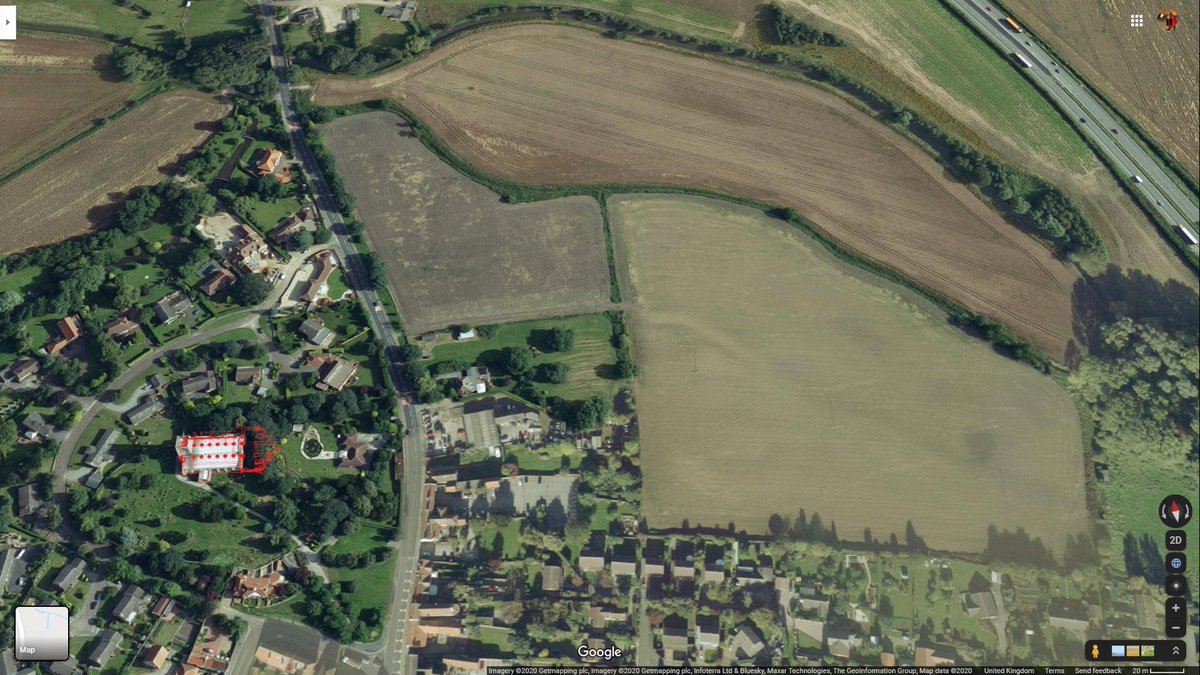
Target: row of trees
pixel 790 30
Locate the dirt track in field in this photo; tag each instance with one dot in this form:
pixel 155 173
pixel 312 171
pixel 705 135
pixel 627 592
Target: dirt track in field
pixel 1151 74
pixel 455 252
pixel 49 91
pixel 76 189
pixel 552 105
pixel 775 378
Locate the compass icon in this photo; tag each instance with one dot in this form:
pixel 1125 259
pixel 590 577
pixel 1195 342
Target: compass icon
pixel 1175 511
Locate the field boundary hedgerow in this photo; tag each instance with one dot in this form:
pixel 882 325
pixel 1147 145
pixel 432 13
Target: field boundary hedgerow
pixel 968 320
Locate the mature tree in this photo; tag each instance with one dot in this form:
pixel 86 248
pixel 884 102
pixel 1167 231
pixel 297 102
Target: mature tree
pixel 124 295
pixel 137 212
pixel 554 373
pixel 591 412
pixel 251 289
pixel 8 435
pixel 286 513
pixel 322 235
pixel 6 512
pixel 135 65
pixel 187 359
pixel 9 300
pixel 408 353
pixel 561 339
pixel 518 361
pixel 376 275
pixel 302 240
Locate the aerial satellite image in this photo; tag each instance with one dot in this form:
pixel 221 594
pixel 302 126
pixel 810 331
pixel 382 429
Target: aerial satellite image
pixel 586 337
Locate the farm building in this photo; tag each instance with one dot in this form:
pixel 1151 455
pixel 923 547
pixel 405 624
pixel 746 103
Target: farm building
pixel 401 11
pixel 24 369
pixel 474 381
pixel 201 456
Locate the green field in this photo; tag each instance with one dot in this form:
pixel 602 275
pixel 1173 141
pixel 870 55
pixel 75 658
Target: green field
pixel 952 57
pixel 590 361
pixel 374 586
pixel 368 538
pixel 168 511
pixel 203 18
pixel 675 16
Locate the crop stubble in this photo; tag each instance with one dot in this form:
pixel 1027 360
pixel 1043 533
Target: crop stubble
pixel 49 91
pixel 455 253
pixel 557 105
pixel 74 190
pixel 775 378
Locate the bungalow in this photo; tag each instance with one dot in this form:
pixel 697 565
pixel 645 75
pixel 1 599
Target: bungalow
pixel 624 559
pixel 120 327
pixel 155 657
pixel 198 385
pixel 980 605
pixel 217 282
pixel 683 560
pixel 708 632
pixel 289 226
pixel 591 561
pixel 93 479
pixel 110 642
pixel 654 554
pixel 675 638
pixel 933 655
pixel 27 502
pixel 714 566
pixel 68 576
pixel 144 411
pixel 24 369
pixel 172 307
pixel 247 375
pixel 36 426
pixel 355 454
pixel 70 328
pixel 164 609
pixel 747 643
pixel 313 329
pixel 402 11
pixel 1068 614
pixel 130 605
pixel 338 374
pixel 552 578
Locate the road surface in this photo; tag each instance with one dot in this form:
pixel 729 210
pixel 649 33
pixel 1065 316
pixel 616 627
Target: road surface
pixel 395 645
pixel 1092 115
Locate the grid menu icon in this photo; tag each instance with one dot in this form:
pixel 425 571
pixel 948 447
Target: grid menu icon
pixel 1137 20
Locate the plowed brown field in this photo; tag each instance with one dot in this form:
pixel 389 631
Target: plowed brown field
pixel 1151 74
pixel 553 105
pixel 775 378
pixel 74 190
pixel 49 91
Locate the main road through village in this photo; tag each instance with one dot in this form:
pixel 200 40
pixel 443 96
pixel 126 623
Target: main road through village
pixel 394 643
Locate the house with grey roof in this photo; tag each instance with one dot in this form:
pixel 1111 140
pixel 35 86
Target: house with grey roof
pixel 130 604
pixel 144 411
pixel 313 329
pixel 172 307
pixel 747 643
pixel 105 649
pixel 27 502
pixel 69 575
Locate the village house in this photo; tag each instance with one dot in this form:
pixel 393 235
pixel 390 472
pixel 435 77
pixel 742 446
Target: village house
pixel 36 426
pixel 747 643
pixel 101 453
pixel 172 307
pixel 318 284
pixel 1070 615
pixel 474 380
pixel 306 15
pixel 217 282
pixel 683 560
pixel 675 639
pixel 552 578
pixel 714 566
pixel 130 605
pixel 27 502
pixel 289 226
pixel 120 327
pixel 110 642
pixel 249 376
pixel 144 411
pixel 266 163
pixel 708 632
pixel 210 652
pixel 198 385
pixel 313 329
pixel 259 584
pixel 624 559
pixel 980 605
pixel 24 369
pixel 401 11
pixel 654 554
pixel 933 655
pixel 288 649
pixel 68 576
pixel 337 374
pixel 155 657
pixel 249 253
pixel 164 609
pixel 354 453
pixel 69 328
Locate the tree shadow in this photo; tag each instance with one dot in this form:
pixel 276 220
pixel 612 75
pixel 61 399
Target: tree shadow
pixel 1098 300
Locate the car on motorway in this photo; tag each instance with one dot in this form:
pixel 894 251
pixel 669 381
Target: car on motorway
pixel 1115 131
pixel 1083 119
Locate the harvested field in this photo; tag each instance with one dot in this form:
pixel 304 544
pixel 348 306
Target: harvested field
pixel 75 190
pixel 551 105
pixel 782 379
pixel 51 90
pixel 454 252
pixel 950 64
pixel 1095 38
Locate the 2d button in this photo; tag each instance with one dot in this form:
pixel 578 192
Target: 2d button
pixel 1176 540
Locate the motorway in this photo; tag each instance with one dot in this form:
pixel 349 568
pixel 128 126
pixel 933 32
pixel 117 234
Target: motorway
pixel 1092 116
pixel 395 644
